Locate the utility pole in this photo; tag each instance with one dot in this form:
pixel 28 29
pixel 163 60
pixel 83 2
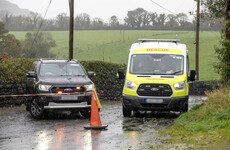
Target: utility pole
pixel 227 18
pixel 71 8
pixel 227 11
pixel 197 38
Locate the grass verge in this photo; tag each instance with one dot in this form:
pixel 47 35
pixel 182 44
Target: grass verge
pixel 206 126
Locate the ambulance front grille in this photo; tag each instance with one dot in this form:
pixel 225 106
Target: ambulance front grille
pixel 159 90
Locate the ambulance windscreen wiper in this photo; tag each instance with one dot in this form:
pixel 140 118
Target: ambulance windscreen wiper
pixel 175 72
pixel 151 73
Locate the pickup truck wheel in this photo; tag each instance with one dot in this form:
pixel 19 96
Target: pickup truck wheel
pixel 36 109
pixel 126 113
pixel 86 113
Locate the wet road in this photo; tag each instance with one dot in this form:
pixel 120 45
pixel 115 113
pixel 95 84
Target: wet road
pixel 62 131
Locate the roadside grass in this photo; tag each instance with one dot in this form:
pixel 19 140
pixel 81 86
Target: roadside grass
pixel 113 45
pixel 206 126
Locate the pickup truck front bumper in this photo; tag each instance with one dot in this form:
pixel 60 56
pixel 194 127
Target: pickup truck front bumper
pixel 66 101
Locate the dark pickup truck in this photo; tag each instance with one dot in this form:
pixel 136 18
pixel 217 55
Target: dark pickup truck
pixel 59 84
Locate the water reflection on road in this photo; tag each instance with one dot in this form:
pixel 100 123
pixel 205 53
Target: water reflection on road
pixel 43 140
pixel 19 131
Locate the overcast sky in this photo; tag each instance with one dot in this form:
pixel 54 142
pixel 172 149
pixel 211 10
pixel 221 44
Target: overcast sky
pixel 104 9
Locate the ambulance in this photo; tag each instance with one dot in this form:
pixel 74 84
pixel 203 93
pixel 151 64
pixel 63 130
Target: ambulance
pixel 157 77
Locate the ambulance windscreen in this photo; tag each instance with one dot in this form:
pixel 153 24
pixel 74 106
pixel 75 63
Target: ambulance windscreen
pixel 157 64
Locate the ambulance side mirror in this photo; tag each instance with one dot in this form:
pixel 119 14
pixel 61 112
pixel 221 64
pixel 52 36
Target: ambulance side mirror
pixel 120 73
pixel 192 75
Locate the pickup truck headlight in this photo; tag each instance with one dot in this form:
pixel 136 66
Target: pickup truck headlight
pixel 180 85
pixel 88 87
pixel 130 84
pixel 44 87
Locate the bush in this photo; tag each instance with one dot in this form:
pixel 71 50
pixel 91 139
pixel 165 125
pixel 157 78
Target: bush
pixel 223 54
pixel 105 72
pixel 14 70
pixel 4 56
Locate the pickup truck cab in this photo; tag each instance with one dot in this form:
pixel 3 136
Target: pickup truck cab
pixel 157 77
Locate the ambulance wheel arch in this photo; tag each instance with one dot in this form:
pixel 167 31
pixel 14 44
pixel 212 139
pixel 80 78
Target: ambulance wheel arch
pixel 126 112
pixel 185 106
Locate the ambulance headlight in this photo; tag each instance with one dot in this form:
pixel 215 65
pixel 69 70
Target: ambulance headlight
pixel 130 84
pixel 180 85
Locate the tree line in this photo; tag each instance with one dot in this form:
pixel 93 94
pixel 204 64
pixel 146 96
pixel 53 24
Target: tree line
pixel 138 19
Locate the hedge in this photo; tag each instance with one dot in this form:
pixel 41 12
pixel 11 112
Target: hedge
pixel 14 70
pixel 105 72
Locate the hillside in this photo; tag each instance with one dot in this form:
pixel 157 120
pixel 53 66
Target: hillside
pixel 7 7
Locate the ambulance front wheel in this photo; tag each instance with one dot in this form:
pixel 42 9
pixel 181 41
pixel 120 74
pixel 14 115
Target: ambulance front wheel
pixel 126 112
pixel 185 106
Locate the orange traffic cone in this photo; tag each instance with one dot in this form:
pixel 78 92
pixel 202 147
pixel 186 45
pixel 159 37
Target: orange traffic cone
pixel 95 122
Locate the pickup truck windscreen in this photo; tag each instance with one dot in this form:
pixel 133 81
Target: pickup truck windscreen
pixel 61 69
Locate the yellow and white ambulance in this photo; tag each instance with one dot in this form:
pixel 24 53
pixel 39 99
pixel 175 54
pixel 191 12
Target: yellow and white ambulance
pixel 157 77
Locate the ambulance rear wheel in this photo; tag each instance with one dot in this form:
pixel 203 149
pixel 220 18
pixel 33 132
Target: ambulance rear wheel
pixel 126 112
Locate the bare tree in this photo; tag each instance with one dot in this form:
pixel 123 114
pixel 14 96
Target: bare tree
pixel 172 22
pixel 161 20
pixel 114 23
pixel 62 21
pixel 7 19
pixel 153 18
pixel 182 19
pixel 82 21
pixel 138 18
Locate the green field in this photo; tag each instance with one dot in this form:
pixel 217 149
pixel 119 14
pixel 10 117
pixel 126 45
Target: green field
pixel 113 45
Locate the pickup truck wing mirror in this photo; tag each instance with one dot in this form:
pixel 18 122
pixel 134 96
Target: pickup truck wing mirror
pixel 91 74
pixel 192 75
pixel 31 74
pixel 120 73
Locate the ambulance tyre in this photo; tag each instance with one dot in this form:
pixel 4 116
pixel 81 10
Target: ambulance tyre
pixel 126 112
pixel 36 108
pixel 185 107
